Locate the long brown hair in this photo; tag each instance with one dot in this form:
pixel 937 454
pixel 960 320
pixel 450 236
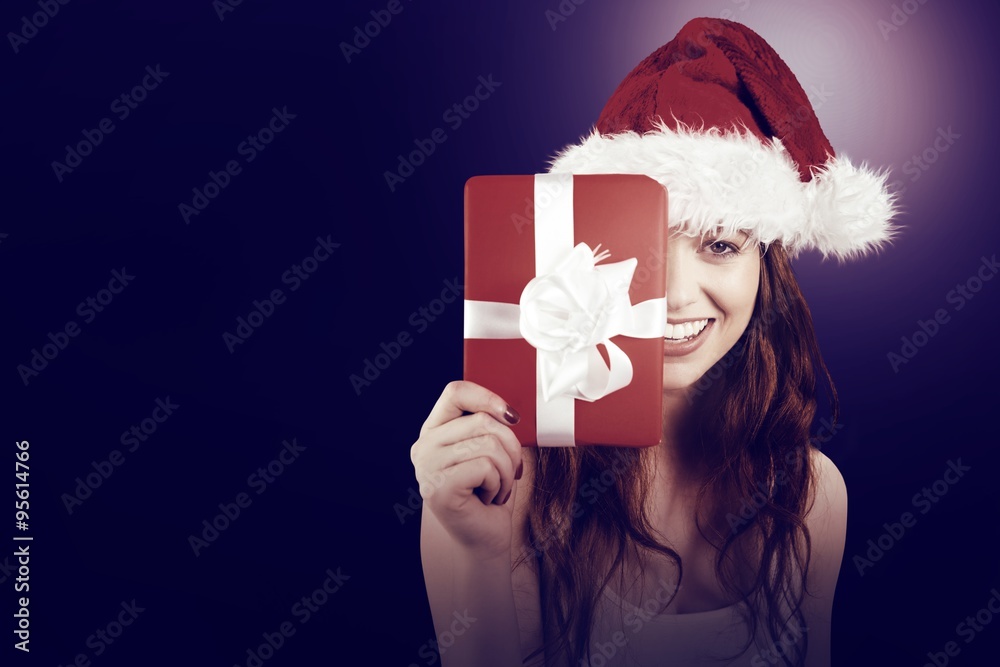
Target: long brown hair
pixel 751 417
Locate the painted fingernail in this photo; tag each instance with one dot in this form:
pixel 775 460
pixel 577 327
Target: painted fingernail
pixel 520 470
pixel 506 498
pixel 510 414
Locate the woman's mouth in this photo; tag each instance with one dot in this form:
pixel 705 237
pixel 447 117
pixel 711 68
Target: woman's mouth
pixel 685 338
pixel 685 331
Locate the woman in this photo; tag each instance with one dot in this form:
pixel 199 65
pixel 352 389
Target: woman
pixel 724 541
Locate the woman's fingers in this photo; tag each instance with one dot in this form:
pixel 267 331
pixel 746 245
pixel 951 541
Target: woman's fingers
pixel 463 396
pixel 481 445
pixel 473 425
pixel 434 469
pixel 489 448
pixel 478 472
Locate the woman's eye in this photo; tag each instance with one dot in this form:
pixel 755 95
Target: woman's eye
pixel 722 248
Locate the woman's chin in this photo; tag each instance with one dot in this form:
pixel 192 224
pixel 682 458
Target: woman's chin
pixel 677 386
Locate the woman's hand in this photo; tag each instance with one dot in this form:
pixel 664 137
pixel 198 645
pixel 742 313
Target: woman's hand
pixel 467 465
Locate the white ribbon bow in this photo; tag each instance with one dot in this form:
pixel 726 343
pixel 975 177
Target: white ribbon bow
pixel 566 314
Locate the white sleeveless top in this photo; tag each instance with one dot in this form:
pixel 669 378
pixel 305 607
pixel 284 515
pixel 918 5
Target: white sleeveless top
pixel 626 635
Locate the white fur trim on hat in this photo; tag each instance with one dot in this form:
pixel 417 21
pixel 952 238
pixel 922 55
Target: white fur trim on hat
pixel 734 181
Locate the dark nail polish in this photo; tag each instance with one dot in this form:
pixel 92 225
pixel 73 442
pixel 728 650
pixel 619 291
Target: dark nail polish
pixel 511 415
pixel 520 470
pixel 506 498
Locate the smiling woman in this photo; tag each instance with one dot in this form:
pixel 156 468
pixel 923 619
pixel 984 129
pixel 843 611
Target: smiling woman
pixel 664 517
pixel 711 291
pixel 614 556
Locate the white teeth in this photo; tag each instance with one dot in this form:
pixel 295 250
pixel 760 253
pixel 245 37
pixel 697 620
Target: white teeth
pixel 685 330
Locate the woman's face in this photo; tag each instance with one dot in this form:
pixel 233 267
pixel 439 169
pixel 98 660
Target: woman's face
pixel 714 278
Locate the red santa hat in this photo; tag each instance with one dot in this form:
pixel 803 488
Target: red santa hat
pixel 718 118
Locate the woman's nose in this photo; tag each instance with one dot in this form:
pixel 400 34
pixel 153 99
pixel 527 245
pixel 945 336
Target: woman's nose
pixel 682 279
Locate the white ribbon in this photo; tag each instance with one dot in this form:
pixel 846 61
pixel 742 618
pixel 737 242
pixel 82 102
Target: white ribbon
pixel 571 306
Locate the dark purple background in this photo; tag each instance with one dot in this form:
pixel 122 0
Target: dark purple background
pixel 886 98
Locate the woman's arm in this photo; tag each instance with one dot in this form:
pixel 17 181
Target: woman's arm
pixel 509 617
pixel 471 599
pixel 468 467
pixel 827 523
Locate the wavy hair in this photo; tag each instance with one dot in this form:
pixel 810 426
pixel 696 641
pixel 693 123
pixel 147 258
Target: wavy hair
pixel 751 418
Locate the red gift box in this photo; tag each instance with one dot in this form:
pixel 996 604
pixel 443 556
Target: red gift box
pixel 527 277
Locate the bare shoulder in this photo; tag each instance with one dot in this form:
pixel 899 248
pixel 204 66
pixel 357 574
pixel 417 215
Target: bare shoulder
pixel 828 510
pixel 826 520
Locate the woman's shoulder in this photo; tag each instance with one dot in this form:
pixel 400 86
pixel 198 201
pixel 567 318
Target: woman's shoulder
pixel 829 495
pixel 826 519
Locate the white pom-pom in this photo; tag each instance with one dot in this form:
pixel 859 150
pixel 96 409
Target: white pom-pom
pixel 850 210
